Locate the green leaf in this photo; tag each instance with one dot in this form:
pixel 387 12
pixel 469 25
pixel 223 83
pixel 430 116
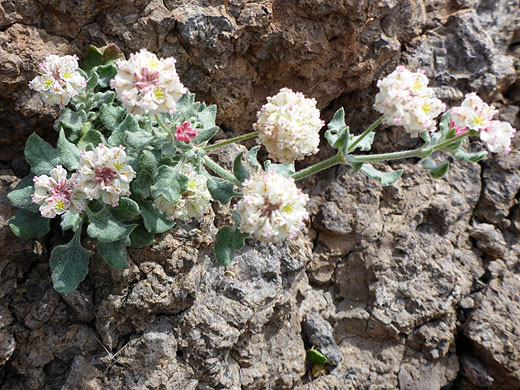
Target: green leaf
pixel 40 155
pixel 105 74
pixel 154 220
pixel 141 185
pixel 91 139
pixel 141 237
pixel 239 170
pixel 425 135
pixel 71 221
pixel 207 116
pixel 100 98
pixel 436 170
pixel 170 183
pixel 114 253
pixel 126 210
pixel 221 190
pixel 21 195
pixel 71 120
pixel 365 144
pixel 444 125
pixel 26 224
pixel 316 356
pixel 335 135
pixel 285 169
pixel 148 163
pixel 464 156
pixel 138 140
pixel 112 116
pixel 227 241
pixel 105 227
pixel 93 80
pixel 99 56
pixel 69 264
pixel 252 159
pixel 385 178
pixel 68 152
pixel 129 125
pixel 205 135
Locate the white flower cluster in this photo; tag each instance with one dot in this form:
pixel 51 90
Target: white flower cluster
pixel 474 114
pixel 193 201
pixel 272 208
pixel 103 174
pixel 405 99
pixel 59 80
pixel 288 126
pixel 56 194
pixel 145 83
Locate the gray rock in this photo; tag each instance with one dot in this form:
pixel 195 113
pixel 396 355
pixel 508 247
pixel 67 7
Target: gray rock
pixel 319 333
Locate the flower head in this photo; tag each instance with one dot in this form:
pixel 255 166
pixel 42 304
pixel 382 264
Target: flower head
pixel 288 126
pixel 405 99
pixel 472 114
pixel 185 132
pixel 272 208
pixel 497 136
pixel 59 80
pixel 103 173
pixel 193 201
pixel 145 83
pixel 55 194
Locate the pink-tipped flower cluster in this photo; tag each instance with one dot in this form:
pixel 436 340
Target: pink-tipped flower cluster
pixel 474 114
pixel 405 100
pixel 272 208
pixel 185 133
pixel 104 174
pixel 56 194
pixel 59 80
pixel 288 126
pixel 145 83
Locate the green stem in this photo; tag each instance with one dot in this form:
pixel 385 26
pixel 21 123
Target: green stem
pixel 220 171
pixel 450 141
pixel 365 133
pixel 318 167
pixel 231 141
pixel 386 156
pixel 161 123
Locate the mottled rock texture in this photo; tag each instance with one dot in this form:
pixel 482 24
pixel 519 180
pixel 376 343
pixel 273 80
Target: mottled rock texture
pixel 410 287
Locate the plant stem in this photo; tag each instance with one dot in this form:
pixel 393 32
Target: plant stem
pixel 161 123
pixel 450 141
pixel 220 171
pixel 318 167
pixel 231 141
pixel 386 156
pixel 365 133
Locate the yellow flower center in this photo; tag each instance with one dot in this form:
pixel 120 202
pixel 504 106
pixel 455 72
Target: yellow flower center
pixel 60 205
pixel 154 63
pixel 48 82
pixel 66 75
pixel 417 85
pixel 118 166
pixel 427 108
pixel 287 208
pixel 477 120
pixel 159 93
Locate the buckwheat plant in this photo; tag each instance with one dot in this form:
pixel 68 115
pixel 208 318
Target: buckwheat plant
pixel 131 156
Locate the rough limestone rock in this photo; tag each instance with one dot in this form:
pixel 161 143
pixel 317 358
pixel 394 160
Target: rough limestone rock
pixel 411 287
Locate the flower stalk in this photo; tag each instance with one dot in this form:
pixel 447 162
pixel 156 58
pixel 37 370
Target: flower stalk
pixel 231 141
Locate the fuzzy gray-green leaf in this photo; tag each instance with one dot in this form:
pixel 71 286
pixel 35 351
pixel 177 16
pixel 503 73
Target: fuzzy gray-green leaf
pixel 69 264
pixel 40 155
pixel 385 178
pixel 154 220
pixel 220 189
pixel 170 183
pixel 105 227
pixel 68 152
pixel 240 172
pixel 26 224
pixel 227 241
pixel 114 253
pixel 21 195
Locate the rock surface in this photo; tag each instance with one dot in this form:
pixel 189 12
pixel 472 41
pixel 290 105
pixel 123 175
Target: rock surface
pixel 413 286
